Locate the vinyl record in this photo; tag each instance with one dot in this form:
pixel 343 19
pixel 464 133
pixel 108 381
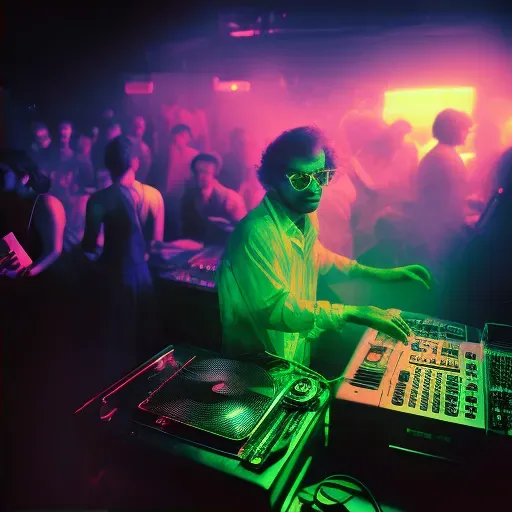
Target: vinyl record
pixel 220 396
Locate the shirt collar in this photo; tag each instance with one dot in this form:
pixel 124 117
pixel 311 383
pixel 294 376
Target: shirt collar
pixel 278 214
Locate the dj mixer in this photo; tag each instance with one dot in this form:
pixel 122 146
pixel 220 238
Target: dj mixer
pixel 431 377
pixel 188 262
pixel 427 395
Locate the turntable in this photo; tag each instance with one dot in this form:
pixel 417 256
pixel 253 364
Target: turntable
pixel 245 430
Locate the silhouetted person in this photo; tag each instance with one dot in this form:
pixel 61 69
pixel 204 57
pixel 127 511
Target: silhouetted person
pixel 141 149
pixel 442 185
pixel 130 319
pixel 235 162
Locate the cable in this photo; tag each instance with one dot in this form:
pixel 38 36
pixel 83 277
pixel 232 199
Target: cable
pixel 351 479
pixel 333 485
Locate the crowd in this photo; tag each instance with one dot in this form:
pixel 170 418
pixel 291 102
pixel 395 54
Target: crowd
pixel 89 207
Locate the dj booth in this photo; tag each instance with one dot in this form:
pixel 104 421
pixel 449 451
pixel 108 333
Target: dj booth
pixel 426 426
pixel 184 277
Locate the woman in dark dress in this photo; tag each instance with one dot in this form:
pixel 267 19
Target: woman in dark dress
pixel 37 347
pixel 129 321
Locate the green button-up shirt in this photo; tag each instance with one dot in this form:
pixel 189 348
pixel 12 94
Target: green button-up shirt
pixel 267 284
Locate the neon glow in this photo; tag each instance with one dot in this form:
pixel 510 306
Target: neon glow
pixel 245 33
pixel 421 106
pixel 120 384
pixel 137 88
pixel 141 405
pixel 230 86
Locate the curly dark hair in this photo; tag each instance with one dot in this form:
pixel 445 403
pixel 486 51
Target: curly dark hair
pixel 119 153
pixel 301 142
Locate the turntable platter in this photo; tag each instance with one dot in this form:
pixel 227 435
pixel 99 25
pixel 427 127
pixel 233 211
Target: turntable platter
pixel 220 396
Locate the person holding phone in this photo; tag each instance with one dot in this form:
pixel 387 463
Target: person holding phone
pixel 36 218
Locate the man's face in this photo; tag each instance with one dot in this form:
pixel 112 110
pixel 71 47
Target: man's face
pixel 139 126
pixel 43 137
pixel 65 132
pixel 182 140
pixel 204 174
pixel 307 200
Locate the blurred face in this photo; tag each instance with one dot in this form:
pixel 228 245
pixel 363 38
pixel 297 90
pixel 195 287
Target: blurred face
pixel 139 126
pixel 65 131
pixel 43 137
pixel 205 174
pixel 62 179
pixel 135 164
pixel 300 172
pixel 182 140
pixel 84 145
pixel 113 132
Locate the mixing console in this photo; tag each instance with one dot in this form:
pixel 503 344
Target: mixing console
pixel 438 376
pixel 497 339
pixel 188 262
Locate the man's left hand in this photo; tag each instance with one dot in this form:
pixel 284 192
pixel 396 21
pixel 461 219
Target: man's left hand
pixel 413 273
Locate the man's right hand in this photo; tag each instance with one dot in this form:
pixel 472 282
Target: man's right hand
pixel 386 321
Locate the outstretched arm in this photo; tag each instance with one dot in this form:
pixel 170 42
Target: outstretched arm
pixel 327 260
pixel 49 221
pixel 408 273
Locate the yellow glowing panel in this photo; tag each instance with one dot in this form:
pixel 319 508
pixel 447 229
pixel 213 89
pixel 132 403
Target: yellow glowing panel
pixel 420 106
pixel 506 133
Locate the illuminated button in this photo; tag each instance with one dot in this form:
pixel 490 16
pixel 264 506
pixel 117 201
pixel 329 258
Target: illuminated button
pixel 471 399
pixel 472 387
pixel 404 376
pixel 470 416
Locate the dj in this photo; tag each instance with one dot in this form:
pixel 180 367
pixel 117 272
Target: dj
pixel 267 280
